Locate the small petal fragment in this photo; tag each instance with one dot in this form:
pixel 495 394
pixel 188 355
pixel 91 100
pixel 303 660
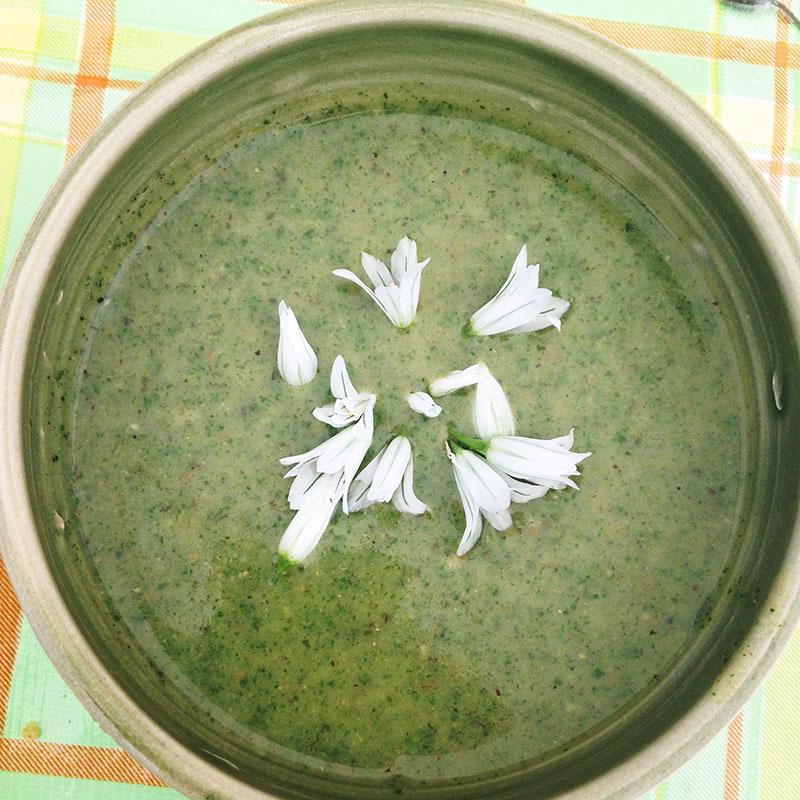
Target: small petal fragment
pixel 297 362
pixel 520 306
pixel 491 412
pixel 458 379
pixel 388 477
pixel 396 292
pixel 424 404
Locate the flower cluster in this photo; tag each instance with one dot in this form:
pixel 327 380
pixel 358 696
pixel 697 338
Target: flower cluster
pixel 521 305
pixel 491 471
pixel 397 292
pixel 498 467
pixel 326 475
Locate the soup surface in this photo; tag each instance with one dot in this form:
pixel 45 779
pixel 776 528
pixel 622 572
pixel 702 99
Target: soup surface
pixel 387 652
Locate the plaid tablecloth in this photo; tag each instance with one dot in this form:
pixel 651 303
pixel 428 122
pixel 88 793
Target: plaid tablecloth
pixel 64 64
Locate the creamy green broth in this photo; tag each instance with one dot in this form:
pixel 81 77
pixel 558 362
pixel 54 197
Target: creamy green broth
pixel 387 652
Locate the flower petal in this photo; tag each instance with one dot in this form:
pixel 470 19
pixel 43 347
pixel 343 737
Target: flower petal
pixel 344 411
pixel 362 430
pixel 331 415
pixel 391 468
pixel 546 462
pixel 424 404
pixel 376 271
pixel 306 481
pixel 499 520
pixel 309 523
pixel 351 276
pixel 404 498
pixel 490 491
pixel 546 318
pixel 458 379
pixel 472 514
pixel 391 301
pixel 341 385
pixel 297 362
pixel 357 495
pixel 491 412
pixel 522 491
pixel 403 258
pixel 332 454
pixel 395 292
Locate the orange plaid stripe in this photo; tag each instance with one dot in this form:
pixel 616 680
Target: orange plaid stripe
pixel 50 758
pixel 92 77
pixel 660 39
pixel 733 758
pixel 10 622
pixel 781 125
pixel 31 72
pixel 73 761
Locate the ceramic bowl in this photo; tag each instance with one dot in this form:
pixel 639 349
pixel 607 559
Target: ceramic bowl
pixel 478 58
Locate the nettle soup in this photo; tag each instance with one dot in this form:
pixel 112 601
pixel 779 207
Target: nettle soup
pixel 386 651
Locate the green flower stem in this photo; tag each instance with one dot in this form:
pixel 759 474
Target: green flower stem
pixel 284 562
pixel 476 445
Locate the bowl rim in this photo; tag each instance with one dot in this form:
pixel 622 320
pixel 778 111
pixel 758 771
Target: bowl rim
pixel 19 540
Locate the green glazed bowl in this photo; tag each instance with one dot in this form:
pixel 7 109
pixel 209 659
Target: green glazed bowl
pixel 480 59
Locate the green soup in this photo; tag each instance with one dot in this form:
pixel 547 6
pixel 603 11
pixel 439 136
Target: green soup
pixel 387 652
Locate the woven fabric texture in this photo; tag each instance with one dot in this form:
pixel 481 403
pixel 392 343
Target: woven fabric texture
pixel 65 64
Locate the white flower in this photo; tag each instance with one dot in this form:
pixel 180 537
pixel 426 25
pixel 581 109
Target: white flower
pixel 319 501
pixel 458 379
pixel 322 477
pixel 491 412
pixel 396 292
pixel 545 462
pixel 483 492
pixel 520 305
pixel 297 362
pixel 424 404
pixel 349 405
pixel 389 476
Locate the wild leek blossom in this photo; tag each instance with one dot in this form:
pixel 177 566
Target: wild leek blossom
pixel 458 379
pixel 317 502
pixel 349 405
pixel 483 493
pixel 491 412
pixel 297 362
pixel 397 291
pixel 544 462
pixel 388 477
pixel 322 477
pixel 520 306
pixel 424 404
pixel 527 468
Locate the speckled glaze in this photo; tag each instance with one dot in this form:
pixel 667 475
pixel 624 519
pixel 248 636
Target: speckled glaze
pixel 606 114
